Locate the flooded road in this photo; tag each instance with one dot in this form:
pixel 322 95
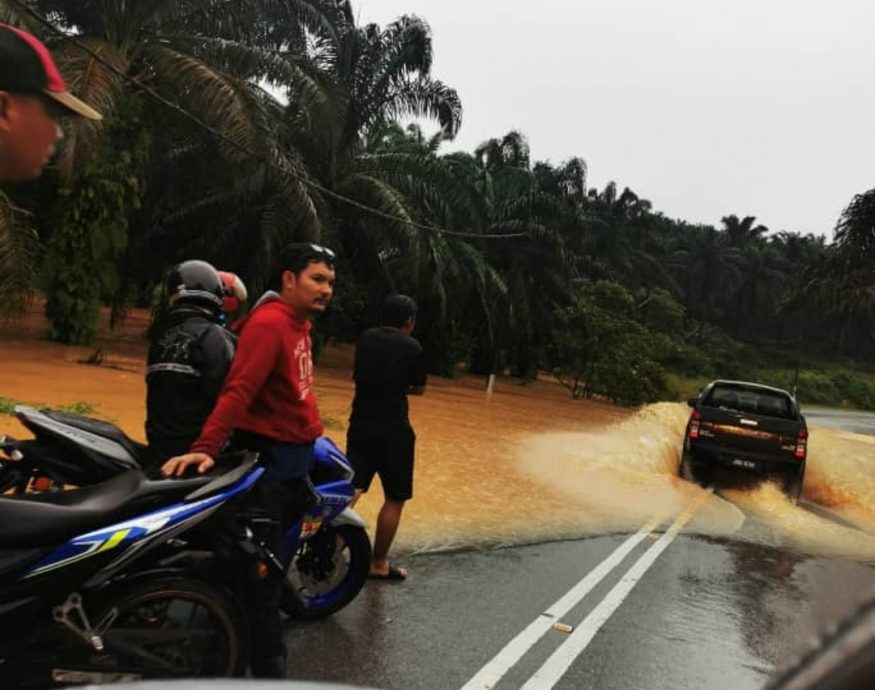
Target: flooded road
pixel 739 590
pixel 663 596
pixel 624 474
pixel 524 464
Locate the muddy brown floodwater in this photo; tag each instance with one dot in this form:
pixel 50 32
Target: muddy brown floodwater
pixel 524 464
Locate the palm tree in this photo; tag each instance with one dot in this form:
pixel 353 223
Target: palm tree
pixel 537 269
pixel 710 266
pixel 759 281
pixel 622 241
pixel 742 232
pixel 203 55
pixel 843 283
pixel 19 251
pixel 373 77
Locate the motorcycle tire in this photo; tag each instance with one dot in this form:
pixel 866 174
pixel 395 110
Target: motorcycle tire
pixel 185 610
pixel 312 589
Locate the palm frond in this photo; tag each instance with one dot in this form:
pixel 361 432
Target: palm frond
pixel 19 251
pixel 223 101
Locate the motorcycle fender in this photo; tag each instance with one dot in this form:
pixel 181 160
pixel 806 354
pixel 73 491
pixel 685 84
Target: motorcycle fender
pixel 350 517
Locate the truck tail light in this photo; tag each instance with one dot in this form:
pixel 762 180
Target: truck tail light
pixel 801 443
pixel 694 424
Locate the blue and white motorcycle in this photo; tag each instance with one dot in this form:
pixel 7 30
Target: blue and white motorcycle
pixel 97 584
pixel 326 555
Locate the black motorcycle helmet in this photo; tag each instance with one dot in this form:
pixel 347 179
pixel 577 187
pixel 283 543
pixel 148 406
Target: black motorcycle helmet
pixel 196 283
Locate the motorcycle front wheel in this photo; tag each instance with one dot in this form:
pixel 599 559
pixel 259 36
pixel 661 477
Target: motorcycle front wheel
pixel 327 572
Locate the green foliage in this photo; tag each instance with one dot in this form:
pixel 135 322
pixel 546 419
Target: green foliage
pixel 688 360
pixel 855 388
pixel 19 251
pixel 830 387
pixel 711 351
pixel 659 311
pixel 7 407
pixel 682 388
pixel 708 301
pixel 599 349
pixel 92 232
pixel 78 407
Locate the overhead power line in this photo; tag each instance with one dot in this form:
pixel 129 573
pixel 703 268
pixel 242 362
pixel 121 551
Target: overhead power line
pixel 245 150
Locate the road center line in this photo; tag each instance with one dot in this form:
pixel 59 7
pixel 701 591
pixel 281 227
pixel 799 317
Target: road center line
pixel 559 662
pixel 514 650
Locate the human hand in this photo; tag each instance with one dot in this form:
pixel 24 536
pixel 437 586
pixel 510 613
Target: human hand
pixel 176 467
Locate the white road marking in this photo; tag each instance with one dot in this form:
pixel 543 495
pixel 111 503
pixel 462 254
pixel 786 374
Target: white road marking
pixel 559 662
pixel 514 650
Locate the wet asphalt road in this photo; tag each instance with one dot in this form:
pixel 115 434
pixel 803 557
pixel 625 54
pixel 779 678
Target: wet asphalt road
pixel 703 613
pixel 709 613
pixel 845 420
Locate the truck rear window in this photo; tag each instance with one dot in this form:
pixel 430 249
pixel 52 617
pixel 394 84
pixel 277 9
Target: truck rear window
pixel 763 403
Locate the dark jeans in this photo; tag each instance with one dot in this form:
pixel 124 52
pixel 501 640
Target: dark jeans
pixel 277 501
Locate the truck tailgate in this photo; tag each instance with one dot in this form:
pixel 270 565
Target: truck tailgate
pixel 748 433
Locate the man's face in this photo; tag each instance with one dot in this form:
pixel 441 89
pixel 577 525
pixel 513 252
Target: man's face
pixel 310 291
pixel 28 135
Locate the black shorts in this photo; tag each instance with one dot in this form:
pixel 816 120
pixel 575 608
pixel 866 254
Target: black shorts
pixel 387 451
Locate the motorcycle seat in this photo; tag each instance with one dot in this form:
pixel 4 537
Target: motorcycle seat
pixel 101 428
pixel 154 493
pixel 50 518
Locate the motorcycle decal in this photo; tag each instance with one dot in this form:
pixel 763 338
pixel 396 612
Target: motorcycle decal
pixel 131 531
pixel 82 548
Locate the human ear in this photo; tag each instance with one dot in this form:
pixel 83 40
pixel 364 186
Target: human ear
pixel 289 280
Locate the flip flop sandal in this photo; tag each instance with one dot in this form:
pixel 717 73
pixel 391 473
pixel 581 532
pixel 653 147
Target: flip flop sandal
pixel 393 574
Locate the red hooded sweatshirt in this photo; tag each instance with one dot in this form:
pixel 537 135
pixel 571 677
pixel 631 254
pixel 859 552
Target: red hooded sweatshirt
pixel 269 389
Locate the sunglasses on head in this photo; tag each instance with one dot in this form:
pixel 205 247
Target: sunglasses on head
pixel 325 251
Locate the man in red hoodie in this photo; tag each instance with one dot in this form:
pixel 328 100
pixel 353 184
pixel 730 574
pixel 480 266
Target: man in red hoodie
pixel 268 404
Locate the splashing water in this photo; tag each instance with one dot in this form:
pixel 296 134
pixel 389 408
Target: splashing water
pixel 563 483
pixel 630 471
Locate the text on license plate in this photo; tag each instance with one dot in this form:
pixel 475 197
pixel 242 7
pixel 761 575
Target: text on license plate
pixel 742 462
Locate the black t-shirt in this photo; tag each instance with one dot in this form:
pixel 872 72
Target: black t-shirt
pixel 387 364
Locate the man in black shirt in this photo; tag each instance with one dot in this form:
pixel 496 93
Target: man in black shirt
pixel 388 367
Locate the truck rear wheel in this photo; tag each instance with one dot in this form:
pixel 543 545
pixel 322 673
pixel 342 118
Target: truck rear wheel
pixel 793 484
pixel 686 469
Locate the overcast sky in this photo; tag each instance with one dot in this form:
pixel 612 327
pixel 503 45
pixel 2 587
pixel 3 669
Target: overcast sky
pixel 704 107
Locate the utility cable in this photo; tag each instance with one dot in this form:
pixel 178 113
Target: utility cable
pixel 247 151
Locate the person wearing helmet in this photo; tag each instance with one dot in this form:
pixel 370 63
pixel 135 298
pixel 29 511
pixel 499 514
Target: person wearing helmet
pixel 190 354
pixel 33 98
pixel 235 294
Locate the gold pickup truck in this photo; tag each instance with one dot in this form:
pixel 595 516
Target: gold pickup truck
pixel 749 427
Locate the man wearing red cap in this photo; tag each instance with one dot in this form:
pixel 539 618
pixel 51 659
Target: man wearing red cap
pixel 33 96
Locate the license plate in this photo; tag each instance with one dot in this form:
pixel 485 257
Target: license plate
pixel 745 463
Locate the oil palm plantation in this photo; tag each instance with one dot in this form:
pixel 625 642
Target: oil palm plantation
pixel 200 55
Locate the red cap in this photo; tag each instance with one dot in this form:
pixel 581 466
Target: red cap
pixel 26 65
